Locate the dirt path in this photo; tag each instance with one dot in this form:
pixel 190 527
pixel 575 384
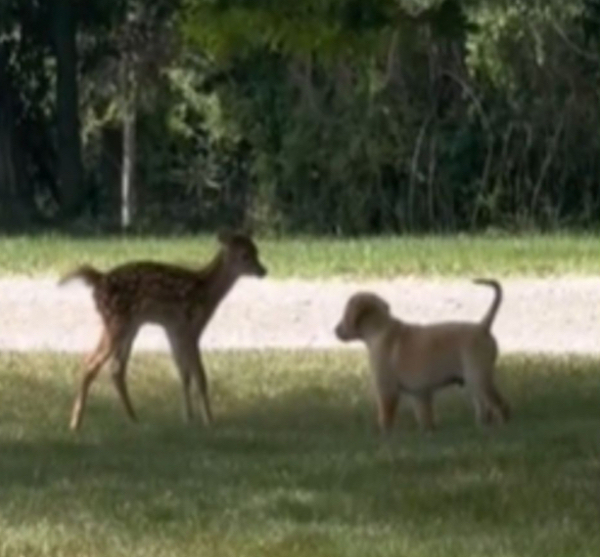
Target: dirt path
pixel 538 315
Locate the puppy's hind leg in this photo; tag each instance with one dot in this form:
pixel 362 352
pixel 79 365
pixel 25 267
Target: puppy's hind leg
pixel 489 404
pixel 500 408
pixel 497 408
pixel 476 384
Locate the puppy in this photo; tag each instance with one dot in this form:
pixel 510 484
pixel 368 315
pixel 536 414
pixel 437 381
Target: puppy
pixel 419 359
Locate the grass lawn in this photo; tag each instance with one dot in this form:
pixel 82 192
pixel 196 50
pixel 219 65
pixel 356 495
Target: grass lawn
pixel 293 466
pixel 537 255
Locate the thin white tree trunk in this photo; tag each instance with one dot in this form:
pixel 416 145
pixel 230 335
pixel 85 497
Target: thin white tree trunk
pixel 129 145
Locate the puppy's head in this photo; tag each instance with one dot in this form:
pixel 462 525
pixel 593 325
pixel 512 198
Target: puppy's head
pixel 362 310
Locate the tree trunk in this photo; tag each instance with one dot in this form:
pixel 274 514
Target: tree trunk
pixel 129 142
pixel 14 212
pixel 70 167
pixel 110 174
pixel 128 167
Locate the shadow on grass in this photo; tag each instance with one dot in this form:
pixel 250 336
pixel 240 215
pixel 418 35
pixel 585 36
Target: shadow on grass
pixel 308 454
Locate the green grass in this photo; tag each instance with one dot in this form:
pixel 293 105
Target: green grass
pixel 537 255
pixel 294 465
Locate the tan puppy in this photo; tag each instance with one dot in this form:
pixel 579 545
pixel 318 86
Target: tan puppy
pixel 419 359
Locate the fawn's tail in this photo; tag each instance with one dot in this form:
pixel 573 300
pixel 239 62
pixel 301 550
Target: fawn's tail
pixel 87 273
pixel 488 318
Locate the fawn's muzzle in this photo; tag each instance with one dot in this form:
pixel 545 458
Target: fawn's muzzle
pixel 340 332
pixel 261 270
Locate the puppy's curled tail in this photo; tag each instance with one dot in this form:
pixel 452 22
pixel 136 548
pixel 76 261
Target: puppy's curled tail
pixel 87 273
pixel 489 317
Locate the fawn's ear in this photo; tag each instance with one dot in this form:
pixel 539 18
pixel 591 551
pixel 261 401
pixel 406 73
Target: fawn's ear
pixel 225 236
pixel 246 230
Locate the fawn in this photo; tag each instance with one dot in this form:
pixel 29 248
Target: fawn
pixel 181 300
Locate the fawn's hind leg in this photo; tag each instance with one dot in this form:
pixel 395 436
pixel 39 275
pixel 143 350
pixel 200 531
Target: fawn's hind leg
pixel 120 359
pixel 93 363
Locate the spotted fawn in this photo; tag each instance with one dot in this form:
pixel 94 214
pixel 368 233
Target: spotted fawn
pixel 180 300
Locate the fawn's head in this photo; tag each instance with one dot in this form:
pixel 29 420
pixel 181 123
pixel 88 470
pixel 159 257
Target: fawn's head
pixel 241 254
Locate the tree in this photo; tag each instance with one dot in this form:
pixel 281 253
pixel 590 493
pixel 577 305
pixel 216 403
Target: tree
pixel 140 42
pixel 342 116
pixel 23 94
pixel 340 89
pixel 11 180
pixel 70 167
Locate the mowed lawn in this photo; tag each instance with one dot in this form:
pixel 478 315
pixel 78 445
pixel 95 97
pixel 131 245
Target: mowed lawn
pixel 381 257
pixel 294 465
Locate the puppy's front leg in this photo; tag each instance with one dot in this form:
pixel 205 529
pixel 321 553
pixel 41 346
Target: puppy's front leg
pixel 387 404
pixel 423 409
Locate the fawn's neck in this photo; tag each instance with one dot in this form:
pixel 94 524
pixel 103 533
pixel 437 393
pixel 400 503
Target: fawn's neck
pixel 219 279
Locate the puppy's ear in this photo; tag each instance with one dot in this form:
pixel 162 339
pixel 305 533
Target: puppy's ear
pixel 364 311
pixel 355 312
pixel 363 307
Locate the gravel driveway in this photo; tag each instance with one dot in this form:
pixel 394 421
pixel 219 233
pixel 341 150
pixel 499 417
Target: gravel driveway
pixel 538 315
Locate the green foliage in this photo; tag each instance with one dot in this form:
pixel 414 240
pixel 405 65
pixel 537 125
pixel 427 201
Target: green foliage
pixel 26 106
pixel 403 134
pixel 230 28
pixel 335 116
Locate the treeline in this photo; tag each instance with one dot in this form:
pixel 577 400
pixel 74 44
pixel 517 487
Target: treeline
pixel 325 116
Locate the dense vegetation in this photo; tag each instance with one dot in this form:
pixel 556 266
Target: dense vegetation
pixel 329 116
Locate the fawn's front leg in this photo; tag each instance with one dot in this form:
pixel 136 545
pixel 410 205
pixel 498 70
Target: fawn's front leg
pixel 186 354
pixel 200 377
